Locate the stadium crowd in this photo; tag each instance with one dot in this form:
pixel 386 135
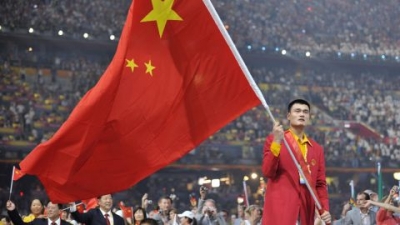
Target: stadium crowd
pixel 34 106
pixel 39 89
pixel 359 27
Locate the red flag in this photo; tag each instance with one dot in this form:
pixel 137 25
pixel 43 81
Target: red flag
pixel 90 203
pixel 80 208
pixel 172 83
pixel 17 174
pixel 127 211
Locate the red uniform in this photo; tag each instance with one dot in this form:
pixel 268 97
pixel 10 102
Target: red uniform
pixel 383 217
pixel 286 200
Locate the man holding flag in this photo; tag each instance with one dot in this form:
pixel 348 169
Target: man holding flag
pixel 287 199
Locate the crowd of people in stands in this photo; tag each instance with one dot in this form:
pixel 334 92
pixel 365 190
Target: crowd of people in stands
pixel 200 208
pixel 360 27
pixel 33 105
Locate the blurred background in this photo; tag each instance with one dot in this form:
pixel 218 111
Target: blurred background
pixel 342 56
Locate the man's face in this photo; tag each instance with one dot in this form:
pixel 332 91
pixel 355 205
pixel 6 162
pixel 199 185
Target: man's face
pixel 53 212
pixel 105 202
pixel 165 204
pixel 299 115
pixel 361 201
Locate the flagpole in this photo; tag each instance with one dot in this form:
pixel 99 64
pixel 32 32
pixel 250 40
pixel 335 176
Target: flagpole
pixel 245 193
pixel 380 192
pixel 80 203
pixel 12 182
pixel 352 189
pixel 257 91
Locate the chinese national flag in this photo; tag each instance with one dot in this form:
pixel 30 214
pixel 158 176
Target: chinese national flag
pixel 17 174
pixel 127 211
pixel 80 208
pixel 90 203
pixel 172 83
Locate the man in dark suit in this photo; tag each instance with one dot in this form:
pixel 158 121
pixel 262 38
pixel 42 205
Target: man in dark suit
pixel 101 215
pixel 53 215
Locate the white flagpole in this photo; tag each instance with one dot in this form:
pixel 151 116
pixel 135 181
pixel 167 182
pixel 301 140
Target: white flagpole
pixel 245 193
pixel 12 182
pixel 80 203
pixel 257 90
pixel 352 189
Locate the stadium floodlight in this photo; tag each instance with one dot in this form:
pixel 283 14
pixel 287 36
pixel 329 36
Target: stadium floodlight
pixel 365 56
pixel 215 183
pixel 308 54
pixel 31 30
pixel 383 57
pixel 85 35
pixel 112 37
pixel 263 48
pixel 339 54
pixel 277 49
pixel 397 58
pixel 249 47
pixel 202 180
pixel 35 6
pixel 60 32
pixel 283 52
pixel 353 55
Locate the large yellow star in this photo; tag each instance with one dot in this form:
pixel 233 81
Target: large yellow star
pixel 161 13
pixel 131 64
pixel 149 68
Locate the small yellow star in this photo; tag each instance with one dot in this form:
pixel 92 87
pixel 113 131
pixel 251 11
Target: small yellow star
pixel 149 68
pixel 131 64
pixel 161 13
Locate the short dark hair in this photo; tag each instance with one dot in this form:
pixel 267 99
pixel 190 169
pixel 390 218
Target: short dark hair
pixel 59 205
pixel 165 197
pixel 149 221
pixel 99 197
pixel 298 101
pixel 365 194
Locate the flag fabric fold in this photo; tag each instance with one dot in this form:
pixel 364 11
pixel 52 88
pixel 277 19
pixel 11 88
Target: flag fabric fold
pixel 172 83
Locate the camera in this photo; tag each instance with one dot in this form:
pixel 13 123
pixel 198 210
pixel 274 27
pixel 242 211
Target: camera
pixel 209 210
pixel 202 188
